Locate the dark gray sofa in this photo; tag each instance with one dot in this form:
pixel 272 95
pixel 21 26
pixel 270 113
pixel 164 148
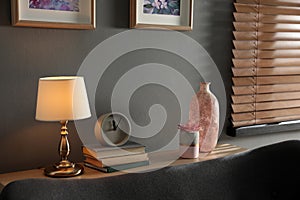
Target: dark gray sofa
pixel 269 172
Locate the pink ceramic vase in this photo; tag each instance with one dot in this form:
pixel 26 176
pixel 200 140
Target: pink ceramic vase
pixel 204 116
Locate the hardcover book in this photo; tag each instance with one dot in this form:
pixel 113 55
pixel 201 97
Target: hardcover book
pixel 99 152
pixel 118 167
pixel 116 160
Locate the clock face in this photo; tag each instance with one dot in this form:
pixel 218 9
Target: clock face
pixel 112 129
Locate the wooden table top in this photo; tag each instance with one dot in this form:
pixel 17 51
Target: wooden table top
pixel 221 150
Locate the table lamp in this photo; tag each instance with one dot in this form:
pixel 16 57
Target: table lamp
pixel 62 99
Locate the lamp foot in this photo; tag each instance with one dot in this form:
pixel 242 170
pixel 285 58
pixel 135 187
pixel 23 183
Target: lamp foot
pixel 57 170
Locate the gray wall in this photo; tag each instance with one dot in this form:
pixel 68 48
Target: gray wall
pixel 26 54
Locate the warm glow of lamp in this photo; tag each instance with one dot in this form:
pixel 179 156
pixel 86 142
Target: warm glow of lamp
pixel 62 99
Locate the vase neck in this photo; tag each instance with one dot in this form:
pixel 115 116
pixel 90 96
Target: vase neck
pixel 204 86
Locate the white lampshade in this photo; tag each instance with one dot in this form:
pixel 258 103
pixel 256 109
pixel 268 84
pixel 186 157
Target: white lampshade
pixel 62 98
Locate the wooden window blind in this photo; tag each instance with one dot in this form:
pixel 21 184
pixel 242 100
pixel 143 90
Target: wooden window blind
pixel 266 63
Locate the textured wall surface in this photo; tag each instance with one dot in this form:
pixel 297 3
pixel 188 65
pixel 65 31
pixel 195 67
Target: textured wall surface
pixel 26 54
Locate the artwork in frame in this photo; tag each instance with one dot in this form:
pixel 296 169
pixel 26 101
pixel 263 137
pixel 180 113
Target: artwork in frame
pixel 162 14
pixel 69 14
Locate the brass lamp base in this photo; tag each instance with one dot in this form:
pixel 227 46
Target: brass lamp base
pixel 63 169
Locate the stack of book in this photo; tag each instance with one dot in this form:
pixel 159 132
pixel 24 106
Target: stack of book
pixel 110 159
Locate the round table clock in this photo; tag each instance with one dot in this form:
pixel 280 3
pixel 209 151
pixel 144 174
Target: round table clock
pixel 112 129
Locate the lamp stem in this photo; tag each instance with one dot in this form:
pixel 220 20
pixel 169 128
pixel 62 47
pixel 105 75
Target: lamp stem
pixel 64 146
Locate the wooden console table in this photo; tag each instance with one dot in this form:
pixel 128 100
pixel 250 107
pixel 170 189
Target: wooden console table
pixel 221 150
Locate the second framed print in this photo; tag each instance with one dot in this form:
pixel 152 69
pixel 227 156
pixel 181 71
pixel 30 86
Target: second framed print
pixel 162 14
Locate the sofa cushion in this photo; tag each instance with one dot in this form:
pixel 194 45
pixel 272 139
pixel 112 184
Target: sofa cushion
pixel 268 172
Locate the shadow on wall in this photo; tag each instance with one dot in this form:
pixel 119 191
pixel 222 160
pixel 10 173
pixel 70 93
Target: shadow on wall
pixel 216 22
pixel 5 13
pixel 45 150
pixel 122 8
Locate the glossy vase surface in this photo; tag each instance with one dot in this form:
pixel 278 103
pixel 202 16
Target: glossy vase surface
pixel 204 116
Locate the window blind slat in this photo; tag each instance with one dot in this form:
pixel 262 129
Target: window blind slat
pixel 265 121
pixel 238 35
pixel 266 114
pixel 246 8
pixel 242 90
pixel 243 123
pixel 278 119
pixel 238 108
pixel 244 53
pixel 277 105
pixel 261 27
pixel 263 106
pixel 276 62
pixel 243 99
pixel 281 53
pixel 238 72
pixel 274 10
pixel 246 26
pixel 265 97
pixel 245 17
pixel 263 89
pixel 277 113
pixel 264 18
pixel 243 116
pixel 273 19
pixel 285 53
pixel 246 45
pixel 265 80
pixel 272 71
pixel 237 81
pixel 261 36
pixel 272 2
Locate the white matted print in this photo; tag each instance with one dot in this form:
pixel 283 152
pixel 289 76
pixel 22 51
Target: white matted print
pixel 76 14
pixel 170 14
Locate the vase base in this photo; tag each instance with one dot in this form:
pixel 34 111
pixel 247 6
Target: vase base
pixel 203 154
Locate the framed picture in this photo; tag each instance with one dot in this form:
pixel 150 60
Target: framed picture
pixel 164 14
pixel 72 14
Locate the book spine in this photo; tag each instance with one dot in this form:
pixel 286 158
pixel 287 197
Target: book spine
pixel 118 167
pixel 113 153
pixel 102 169
pixel 117 154
pixel 120 160
pixel 129 166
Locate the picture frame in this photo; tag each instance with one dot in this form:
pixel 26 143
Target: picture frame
pixel 66 14
pixel 162 14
